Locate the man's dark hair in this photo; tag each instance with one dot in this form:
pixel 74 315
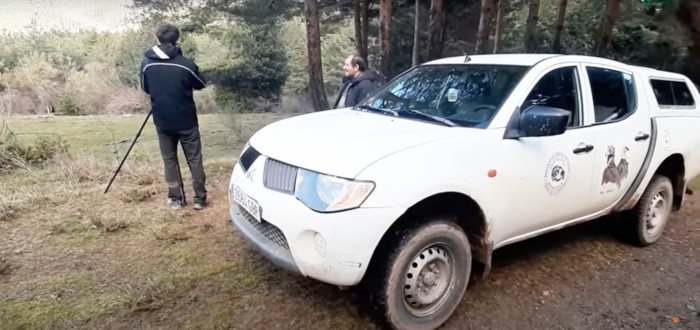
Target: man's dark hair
pixel 168 34
pixel 359 61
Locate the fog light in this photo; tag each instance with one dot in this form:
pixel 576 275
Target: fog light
pixel 320 245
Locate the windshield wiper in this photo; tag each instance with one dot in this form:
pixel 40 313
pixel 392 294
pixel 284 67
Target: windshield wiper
pixel 371 108
pixel 445 121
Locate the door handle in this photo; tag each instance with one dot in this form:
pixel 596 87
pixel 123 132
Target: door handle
pixel 641 137
pixel 584 149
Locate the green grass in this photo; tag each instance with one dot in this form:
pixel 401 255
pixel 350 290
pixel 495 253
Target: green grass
pixel 58 301
pixel 109 137
pixel 80 258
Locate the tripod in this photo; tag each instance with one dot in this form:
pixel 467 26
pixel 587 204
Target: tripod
pixel 179 174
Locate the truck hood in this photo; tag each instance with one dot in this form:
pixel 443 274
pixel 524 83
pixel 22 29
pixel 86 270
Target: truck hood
pixel 343 142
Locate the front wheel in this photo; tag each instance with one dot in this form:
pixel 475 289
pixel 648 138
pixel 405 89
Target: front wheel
pixel 424 277
pixel 653 210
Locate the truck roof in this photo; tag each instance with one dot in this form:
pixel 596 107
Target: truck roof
pixel 532 59
pixel 654 73
pixel 513 59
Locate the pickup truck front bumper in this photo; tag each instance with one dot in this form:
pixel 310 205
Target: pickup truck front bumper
pixel 269 245
pixel 335 248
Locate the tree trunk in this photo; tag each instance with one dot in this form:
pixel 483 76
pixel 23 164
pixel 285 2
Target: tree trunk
pixel 499 25
pixel 607 22
pixel 365 30
pixel 358 25
pixel 559 26
pixel 482 35
pixel 531 29
pixel 416 35
pixel 385 12
pixel 688 14
pixel 437 27
pixel 317 91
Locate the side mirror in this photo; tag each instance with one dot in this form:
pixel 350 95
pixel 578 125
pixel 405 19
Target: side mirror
pixel 537 121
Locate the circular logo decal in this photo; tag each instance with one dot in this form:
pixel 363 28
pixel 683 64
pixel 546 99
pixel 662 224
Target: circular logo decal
pixel 556 174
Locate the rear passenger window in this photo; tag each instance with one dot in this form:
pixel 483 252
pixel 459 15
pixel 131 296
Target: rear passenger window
pixel 682 94
pixel 614 97
pixel 672 93
pixel 663 92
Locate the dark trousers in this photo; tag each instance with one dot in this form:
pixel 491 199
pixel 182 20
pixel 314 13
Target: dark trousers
pixel 192 146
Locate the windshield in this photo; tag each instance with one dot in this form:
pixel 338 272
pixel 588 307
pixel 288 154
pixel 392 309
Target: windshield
pixel 452 95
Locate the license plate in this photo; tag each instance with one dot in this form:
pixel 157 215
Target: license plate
pixel 247 203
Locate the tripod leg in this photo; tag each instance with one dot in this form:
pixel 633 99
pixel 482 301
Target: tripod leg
pixel 182 186
pixel 127 152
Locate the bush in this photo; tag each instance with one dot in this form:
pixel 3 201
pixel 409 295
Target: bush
pixel 40 76
pixel 14 155
pixel 262 67
pixel 69 106
pixel 126 100
pixel 205 100
pixel 13 101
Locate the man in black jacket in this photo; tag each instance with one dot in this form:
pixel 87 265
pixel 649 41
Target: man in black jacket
pixel 169 79
pixel 357 83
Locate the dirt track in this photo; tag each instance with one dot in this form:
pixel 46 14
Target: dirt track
pixel 588 277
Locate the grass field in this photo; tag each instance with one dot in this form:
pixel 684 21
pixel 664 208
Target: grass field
pixel 73 257
pixel 101 136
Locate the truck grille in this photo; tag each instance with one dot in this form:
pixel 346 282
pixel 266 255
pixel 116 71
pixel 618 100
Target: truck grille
pixel 280 176
pixel 268 230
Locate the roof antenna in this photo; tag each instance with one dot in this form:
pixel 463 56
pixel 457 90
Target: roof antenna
pixel 466 57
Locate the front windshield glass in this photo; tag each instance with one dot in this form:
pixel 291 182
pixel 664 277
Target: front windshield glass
pixel 452 95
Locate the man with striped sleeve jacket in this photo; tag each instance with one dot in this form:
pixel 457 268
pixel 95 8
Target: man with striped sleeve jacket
pixel 169 79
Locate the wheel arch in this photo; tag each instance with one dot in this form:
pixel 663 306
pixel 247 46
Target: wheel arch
pixel 673 167
pixel 470 217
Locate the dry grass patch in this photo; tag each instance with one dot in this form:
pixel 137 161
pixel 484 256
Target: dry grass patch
pixel 78 258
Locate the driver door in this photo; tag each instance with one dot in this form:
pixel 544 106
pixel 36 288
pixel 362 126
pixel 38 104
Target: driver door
pixel 548 178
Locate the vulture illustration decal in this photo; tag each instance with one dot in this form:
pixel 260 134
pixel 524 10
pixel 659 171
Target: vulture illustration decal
pixel 615 173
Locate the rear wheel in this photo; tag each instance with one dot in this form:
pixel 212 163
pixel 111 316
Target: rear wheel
pixel 653 210
pixel 424 276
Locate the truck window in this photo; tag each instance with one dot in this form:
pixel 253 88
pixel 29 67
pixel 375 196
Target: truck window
pixel 560 89
pixel 662 91
pixel 672 93
pixel 614 97
pixel 469 95
pixel 681 93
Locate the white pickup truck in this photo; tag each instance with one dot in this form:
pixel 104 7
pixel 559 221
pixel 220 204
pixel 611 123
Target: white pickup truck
pixel 457 157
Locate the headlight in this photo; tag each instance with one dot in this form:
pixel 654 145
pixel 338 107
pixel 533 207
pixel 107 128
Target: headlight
pixel 325 193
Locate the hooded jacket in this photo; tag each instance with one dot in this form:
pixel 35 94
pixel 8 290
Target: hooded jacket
pixel 358 88
pixel 169 79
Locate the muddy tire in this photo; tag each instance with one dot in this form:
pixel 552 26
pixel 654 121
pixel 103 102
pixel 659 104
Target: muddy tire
pixel 653 210
pixel 423 277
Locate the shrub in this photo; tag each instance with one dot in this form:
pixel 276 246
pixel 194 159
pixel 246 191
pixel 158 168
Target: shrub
pixel 262 67
pixel 14 154
pixel 69 106
pixel 40 76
